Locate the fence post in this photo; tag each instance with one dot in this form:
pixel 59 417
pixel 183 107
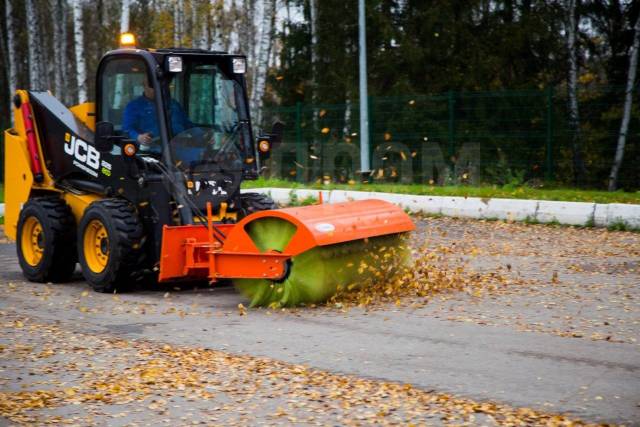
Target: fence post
pixel 300 153
pixel 549 138
pixel 451 133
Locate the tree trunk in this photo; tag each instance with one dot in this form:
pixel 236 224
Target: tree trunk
pixel 178 23
pixel 124 17
pixel 215 42
pixel 262 60
pixel 64 58
pixel 203 41
pixel 346 129
pixel 12 75
pixel 35 58
pixel 59 47
pixel 626 115
pixel 81 67
pixel 247 35
pixel 574 117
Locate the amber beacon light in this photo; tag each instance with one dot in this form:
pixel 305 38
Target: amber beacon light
pixel 127 40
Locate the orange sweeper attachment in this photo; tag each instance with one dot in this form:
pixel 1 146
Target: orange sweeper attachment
pixel 294 255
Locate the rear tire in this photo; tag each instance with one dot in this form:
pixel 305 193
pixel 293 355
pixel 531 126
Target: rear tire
pixel 110 240
pixel 46 240
pixel 255 202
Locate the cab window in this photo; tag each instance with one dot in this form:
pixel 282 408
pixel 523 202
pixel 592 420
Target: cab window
pixel 122 81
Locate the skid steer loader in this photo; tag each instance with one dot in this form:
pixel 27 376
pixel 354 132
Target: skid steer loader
pixel 83 186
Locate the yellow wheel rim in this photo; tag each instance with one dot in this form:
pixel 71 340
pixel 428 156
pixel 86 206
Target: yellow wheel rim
pixel 32 241
pixel 96 246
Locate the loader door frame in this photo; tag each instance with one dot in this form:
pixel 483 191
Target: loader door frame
pixel 151 69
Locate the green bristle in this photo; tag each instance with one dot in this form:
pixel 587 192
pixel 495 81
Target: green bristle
pixel 316 275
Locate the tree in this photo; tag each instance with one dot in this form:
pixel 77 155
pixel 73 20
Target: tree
pixel 59 39
pixel 124 17
pixel 78 36
pixel 262 59
pixel 574 116
pixel 313 26
pixel 36 65
pixel 178 23
pixel 626 115
pixel 11 48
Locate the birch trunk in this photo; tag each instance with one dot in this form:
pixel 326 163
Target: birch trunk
pixel 59 47
pixel 11 48
pixel 346 130
pixel 574 117
pixel 64 57
pixel 247 32
pixel 178 23
pixel 124 28
pixel 262 60
pixel 193 29
pixel 626 115
pixel 124 17
pixel 81 67
pixel 232 43
pixel 203 41
pixel 221 39
pixel 35 66
pixel 214 41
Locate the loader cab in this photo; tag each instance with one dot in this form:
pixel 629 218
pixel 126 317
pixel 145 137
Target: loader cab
pixel 193 105
pixel 208 87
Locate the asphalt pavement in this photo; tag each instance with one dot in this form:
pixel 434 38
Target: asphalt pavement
pixel 479 355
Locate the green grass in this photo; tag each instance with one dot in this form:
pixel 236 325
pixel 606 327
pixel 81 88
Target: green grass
pixel 1 193
pixel 487 192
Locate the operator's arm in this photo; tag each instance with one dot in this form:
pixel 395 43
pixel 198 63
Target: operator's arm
pixel 129 119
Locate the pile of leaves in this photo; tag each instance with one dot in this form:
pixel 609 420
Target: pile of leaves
pixel 427 274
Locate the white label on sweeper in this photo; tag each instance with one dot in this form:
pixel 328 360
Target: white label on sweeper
pixel 325 227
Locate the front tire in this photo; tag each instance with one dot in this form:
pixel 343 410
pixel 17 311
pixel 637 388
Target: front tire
pixel 110 240
pixel 45 229
pixel 255 202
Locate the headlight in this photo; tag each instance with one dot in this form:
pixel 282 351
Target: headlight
pixel 264 145
pixel 175 64
pixel 129 150
pixel 239 65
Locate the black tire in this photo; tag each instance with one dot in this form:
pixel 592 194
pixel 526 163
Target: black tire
pixel 110 264
pixel 255 202
pixel 54 243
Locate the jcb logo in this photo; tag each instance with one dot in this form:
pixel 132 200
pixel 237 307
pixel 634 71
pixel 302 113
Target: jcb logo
pixel 86 157
pixel 82 151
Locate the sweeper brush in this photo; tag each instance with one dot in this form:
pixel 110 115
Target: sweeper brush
pixel 316 275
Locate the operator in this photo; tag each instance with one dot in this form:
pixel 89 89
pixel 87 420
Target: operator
pixel 140 119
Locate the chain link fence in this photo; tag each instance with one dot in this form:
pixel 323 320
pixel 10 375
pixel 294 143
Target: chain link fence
pixel 505 137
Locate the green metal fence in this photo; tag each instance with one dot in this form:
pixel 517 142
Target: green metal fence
pixel 458 137
pixel 506 137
